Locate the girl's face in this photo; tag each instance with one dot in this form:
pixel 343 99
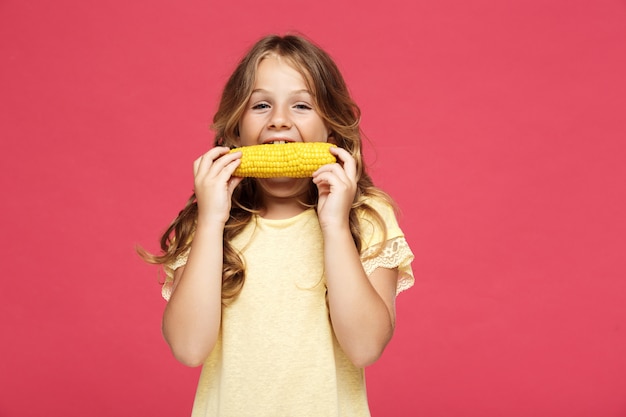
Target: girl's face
pixel 281 108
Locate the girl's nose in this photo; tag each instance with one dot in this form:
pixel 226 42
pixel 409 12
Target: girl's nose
pixel 280 119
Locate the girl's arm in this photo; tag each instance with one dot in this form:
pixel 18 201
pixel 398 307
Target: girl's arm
pixel 192 317
pixel 362 308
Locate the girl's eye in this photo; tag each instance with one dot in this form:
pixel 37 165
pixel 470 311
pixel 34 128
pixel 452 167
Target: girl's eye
pixel 302 106
pixel 260 106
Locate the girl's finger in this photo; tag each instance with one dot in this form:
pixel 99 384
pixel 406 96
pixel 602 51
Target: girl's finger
pixel 332 177
pixel 347 161
pixel 224 161
pixel 196 166
pixel 206 161
pixel 233 182
pixel 226 171
pixel 334 169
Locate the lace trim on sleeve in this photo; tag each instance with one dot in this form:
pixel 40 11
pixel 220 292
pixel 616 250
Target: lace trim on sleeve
pixel 181 260
pixel 395 254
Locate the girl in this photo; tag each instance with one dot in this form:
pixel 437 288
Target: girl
pixel 282 288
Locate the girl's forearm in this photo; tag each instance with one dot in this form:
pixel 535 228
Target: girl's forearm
pixel 362 319
pixel 191 319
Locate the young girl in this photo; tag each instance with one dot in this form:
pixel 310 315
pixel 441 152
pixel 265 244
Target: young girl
pixel 283 288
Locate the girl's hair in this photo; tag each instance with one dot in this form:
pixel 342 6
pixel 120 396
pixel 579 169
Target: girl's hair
pixel 334 105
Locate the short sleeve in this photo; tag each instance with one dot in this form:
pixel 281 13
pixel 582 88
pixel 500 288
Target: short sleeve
pixel 181 260
pixel 395 252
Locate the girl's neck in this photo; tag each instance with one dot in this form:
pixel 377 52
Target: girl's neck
pixel 281 208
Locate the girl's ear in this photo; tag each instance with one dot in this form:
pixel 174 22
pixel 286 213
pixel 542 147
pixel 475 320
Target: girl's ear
pixel 237 140
pixel 331 137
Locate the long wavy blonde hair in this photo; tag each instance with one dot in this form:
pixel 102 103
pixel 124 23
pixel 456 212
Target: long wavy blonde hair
pixel 334 105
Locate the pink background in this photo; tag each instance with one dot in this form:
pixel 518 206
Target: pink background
pixel 498 127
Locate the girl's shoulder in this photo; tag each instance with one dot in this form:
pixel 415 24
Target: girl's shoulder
pixel 377 219
pixel 383 243
pixel 377 204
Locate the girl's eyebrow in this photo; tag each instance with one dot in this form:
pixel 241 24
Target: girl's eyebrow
pixel 293 93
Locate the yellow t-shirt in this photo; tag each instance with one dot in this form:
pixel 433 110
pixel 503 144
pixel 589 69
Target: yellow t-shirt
pixel 277 354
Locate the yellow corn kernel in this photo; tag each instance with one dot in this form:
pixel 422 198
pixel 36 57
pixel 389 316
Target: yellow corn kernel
pixel 293 159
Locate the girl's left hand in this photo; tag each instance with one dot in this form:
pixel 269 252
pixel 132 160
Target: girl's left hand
pixel 337 185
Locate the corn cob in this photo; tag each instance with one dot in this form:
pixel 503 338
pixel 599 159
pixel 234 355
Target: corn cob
pixel 294 159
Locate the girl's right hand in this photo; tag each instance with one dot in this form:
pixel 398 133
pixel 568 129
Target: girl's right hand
pixel 214 183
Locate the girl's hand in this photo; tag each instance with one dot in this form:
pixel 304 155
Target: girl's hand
pixel 336 184
pixel 214 183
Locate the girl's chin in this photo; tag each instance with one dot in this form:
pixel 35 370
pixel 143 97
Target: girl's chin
pixel 278 179
pixel 284 185
pixel 283 181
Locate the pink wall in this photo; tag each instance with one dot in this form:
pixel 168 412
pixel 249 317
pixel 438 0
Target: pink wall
pixel 498 126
